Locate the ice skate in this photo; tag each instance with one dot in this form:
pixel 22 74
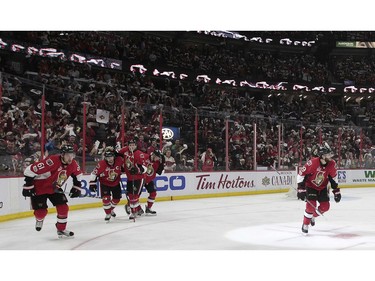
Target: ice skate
pixel 132 216
pixel 113 214
pixel 65 234
pixel 39 225
pixel 150 212
pixel 305 229
pixel 127 209
pixel 312 222
pixel 107 217
pixel 140 212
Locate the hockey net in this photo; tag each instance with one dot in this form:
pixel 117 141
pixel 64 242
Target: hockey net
pixel 292 192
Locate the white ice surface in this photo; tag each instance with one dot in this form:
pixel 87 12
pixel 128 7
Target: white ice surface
pixel 232 238
pixel 260 222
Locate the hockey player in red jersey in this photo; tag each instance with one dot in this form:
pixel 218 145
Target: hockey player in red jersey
pixel 312 181
pixel 134 169
pixel 155 165
pixel 108 173
pixel 43 180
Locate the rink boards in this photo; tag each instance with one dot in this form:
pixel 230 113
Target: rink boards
pixel 174 186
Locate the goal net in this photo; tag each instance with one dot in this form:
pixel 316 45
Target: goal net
pixel 292 192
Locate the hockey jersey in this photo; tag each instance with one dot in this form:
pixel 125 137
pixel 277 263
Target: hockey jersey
pixel 316 175
pixel 208 161
pixel 153 167
pixel 108 175
pixel 133 159
pixel 50 174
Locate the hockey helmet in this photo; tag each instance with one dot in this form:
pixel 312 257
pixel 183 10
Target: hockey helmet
pixel 109 151
pixel 67 148
pixel 323 150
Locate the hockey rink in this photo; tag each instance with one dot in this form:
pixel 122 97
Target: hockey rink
pixel 253 222
pixel 212 239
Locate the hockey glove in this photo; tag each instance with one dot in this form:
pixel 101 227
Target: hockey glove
pixel 118 154
pixel 59 190
pixel 28 191
pixel 75 192
pixel 141 169
pixel 133 170
pixel 93 186
pixel 301 191
pixel 28 187
pixel 160 169
pixel 336 194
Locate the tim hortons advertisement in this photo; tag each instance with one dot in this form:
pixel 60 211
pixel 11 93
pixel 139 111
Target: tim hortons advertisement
pixel 185 185
pixel 167 185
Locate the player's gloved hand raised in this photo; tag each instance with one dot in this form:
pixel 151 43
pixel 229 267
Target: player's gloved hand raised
pixel 75 192
pixel 118 154
pixel 93 187
pixel 336 194
pixel 301 192
pixel 28 191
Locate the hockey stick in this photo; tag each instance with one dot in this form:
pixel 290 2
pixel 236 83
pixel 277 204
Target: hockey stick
pixel 133 186
pixel 86 196
pixel 127 207
pixel 306 200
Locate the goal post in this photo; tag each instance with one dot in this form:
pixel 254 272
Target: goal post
pixel 292 192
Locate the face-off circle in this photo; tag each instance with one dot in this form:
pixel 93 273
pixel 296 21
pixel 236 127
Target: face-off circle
pixel 326 236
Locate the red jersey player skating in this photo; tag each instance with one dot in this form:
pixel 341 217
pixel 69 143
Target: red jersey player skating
pixel 155 165
pixel 108 173
pixel 43 180
pixel 134 169
pixel 312 181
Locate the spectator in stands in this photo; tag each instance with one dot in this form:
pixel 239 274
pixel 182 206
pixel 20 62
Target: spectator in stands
pixel 142 145
pixel 170 162
pixel 144 93
pixel 208 160
pixel 153 146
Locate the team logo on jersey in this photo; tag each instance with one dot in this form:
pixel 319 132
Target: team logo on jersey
pixel 319 178
pixel 208 162
pixel 128 163
pixel 150 170
pixel 61 178
pixel 111 175
pixel 49 162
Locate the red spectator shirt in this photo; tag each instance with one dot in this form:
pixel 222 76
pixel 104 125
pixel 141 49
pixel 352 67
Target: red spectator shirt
pixel 51 173
pixel 317 174
pixel 208 162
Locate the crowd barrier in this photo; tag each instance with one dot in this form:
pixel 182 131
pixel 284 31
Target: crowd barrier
pixel 177 186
